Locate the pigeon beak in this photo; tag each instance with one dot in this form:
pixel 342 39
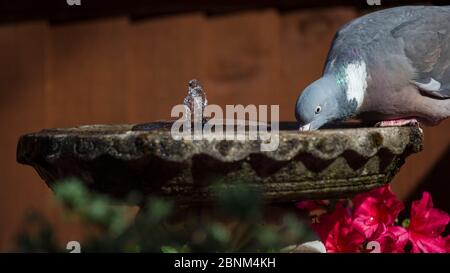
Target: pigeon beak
pixel 305 127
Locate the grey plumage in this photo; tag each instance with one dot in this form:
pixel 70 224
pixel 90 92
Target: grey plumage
pixel 399 58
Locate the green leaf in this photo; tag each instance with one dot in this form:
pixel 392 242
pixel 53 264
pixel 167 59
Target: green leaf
pixel 220 233
pixel 168 249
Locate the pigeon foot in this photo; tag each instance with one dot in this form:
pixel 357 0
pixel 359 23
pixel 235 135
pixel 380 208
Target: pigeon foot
pixel 399 122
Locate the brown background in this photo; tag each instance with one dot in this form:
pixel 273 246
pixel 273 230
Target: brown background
pixel 115 70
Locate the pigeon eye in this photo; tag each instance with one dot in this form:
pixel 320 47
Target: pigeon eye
pixel 318 109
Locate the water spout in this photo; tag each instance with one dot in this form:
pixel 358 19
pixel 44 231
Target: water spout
pixel 195 101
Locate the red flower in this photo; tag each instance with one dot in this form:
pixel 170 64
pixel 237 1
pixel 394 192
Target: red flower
pixel 375 210
pixel 342 237
pixel 426 226
pixel 391 240
pixel 368 225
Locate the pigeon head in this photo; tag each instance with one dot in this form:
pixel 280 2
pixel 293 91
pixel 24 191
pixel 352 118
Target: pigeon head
pixel 322 102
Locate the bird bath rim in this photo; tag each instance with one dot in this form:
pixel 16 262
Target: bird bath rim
pixel 115 160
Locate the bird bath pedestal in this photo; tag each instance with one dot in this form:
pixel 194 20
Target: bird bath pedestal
pixel 116 160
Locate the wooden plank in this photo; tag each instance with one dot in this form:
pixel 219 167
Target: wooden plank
pixel 21 111
pixel 13 11
pixel 242 59
pixel 305 41
pixel 164 55
pixel 436 183
pixel 86 73
pixel 63 76
pixel 417 166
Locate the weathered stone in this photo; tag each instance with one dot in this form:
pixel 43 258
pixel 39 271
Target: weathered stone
pixel 321 164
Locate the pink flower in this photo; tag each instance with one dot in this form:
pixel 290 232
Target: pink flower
pixel 426 226
pixel 343 238
pixel 391 240
pixel 375 210
pixel 368 225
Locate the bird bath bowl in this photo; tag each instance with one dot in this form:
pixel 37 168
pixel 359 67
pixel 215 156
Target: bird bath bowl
pixel 119 159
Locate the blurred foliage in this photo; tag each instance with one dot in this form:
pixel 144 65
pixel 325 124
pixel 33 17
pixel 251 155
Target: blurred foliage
pixel 235 223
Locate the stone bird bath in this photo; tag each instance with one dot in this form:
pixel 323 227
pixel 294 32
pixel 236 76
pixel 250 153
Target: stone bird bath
pixel 119 159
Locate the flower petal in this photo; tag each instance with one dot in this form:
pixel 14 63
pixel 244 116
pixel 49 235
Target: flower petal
pixel 427 220
pixel 426 244
pixel 380 206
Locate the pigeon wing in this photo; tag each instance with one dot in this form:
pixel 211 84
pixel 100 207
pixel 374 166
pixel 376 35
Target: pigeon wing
pixel 426 42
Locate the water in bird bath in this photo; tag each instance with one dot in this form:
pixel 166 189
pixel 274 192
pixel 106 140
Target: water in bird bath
pixel 194 106
pixel 195 101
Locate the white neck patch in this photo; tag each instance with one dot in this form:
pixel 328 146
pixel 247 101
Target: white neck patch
pixel 356 79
